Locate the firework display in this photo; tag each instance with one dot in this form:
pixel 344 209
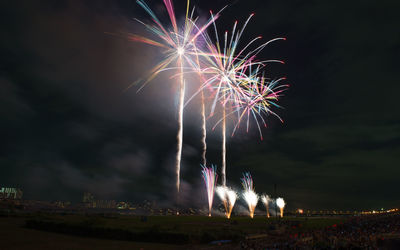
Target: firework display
pixel 180 48
pixel 281 204
pixel 210 179
pixel 230 78
pixel 265 200
pixel 233 78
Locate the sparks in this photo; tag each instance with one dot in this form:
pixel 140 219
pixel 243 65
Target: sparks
pixel 266 199
pixel 249 194
pixel 210 179
pixel 228 198
pixel 281 204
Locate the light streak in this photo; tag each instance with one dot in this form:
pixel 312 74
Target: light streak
pixel 210 179
pixel 266 199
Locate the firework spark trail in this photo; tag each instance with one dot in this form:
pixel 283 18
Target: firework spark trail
pixel 260 96
pixel 232 196
pixel 228 198
pixel 249 194
pixel 225 69
pixel 280 202
pixel 247 181
pixel 204 129
pixel 266 199
pixel 221 192
pixel 180 133
pixel 223 172
pixel 210 179
pixel 180 46
pixel 251 199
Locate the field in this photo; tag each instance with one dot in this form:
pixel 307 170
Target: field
pixel 110 231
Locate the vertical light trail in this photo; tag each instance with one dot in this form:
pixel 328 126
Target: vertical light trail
pixel 179 44
pixel 265 199
pixel 223 171
pixel 204 129
pixel 179 136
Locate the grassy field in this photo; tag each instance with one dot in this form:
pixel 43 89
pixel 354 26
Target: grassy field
pixel 45 231
pixel 14 236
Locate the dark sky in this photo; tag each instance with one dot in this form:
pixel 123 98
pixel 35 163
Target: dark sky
pixel 67 125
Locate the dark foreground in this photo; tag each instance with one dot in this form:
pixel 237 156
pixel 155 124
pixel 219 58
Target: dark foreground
pixel 112 231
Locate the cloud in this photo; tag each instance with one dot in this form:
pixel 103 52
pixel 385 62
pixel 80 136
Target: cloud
pixel 13 105
pixel 132 163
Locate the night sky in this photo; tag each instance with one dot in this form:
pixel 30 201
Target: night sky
pixel 68 125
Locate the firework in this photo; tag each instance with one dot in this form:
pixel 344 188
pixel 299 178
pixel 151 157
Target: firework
pixel 232 196
pixel 228 198
pixel 210 179
pixel 220 72
pixel 265 199
pixel 179 45
pixel 225 70
pixel 249 194
pixel 203 129
pixel 281 204
pixel 260 96
pixel 251 199
pixel 223 172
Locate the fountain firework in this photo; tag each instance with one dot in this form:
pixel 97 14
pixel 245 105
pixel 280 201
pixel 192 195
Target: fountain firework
pixel 210 179
pixel 249 194
pixel 228 197
pixel 266 199
pixel 281 204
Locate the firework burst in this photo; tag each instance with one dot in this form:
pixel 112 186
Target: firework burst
pixel 260 96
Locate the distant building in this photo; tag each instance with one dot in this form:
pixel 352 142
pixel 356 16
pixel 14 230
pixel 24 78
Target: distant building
pixel 105 204
pixel 88 197
pixel 62 204
pixel 90 202
pixel 123 205
pixel 10 193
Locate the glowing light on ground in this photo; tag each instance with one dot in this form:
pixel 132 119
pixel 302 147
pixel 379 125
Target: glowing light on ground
pixel 265 200
pixel 249 195
pixel 280 202
pixel 228 198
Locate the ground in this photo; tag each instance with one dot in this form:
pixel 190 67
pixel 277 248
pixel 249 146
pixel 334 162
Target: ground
pixel 49 231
